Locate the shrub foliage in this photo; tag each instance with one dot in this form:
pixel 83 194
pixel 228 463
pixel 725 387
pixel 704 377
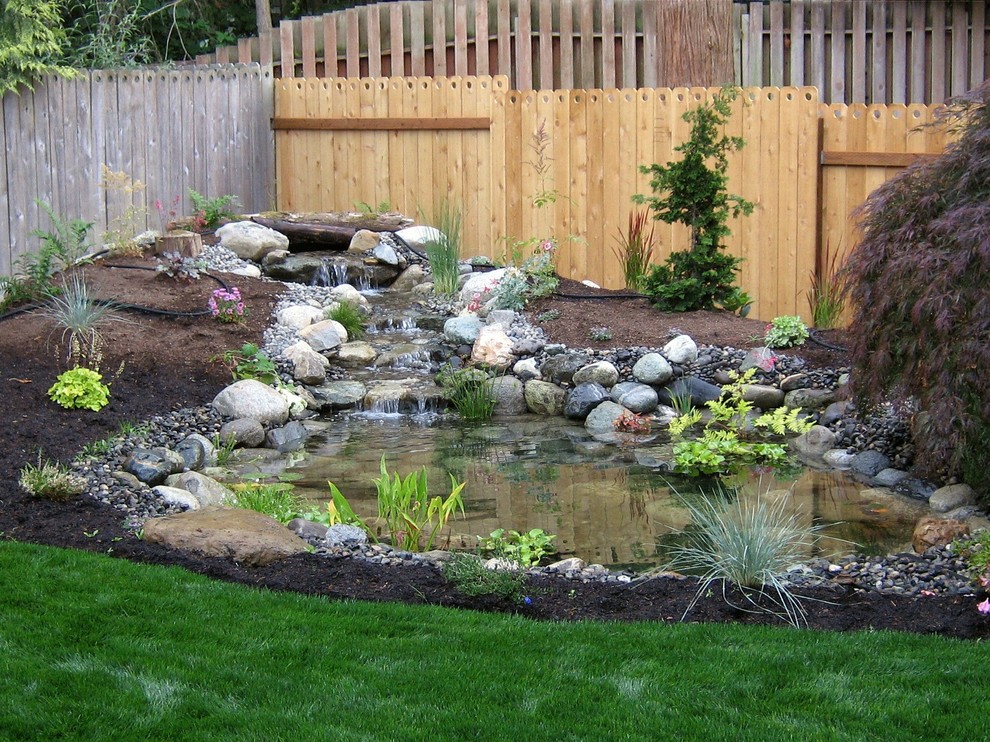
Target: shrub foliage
pixel 918 287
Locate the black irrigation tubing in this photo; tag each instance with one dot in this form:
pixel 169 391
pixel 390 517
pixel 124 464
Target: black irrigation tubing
pixel 813 334
pixel 130 307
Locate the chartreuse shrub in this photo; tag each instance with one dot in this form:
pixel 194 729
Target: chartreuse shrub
pixel 785 331
pixel 693 191
pixel 80 388
pixel 917 284
pixel 730 440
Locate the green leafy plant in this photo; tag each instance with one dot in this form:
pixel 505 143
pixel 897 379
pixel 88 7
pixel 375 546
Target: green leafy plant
pixel 975 551
pixel 749 543
pixel 80 388
pixel 32 38
pixel 635 250
pixel 384 207
pixel 727 442
pixel 223 448
pixel 693 191
pixel 825 297
pixel 737 301
pixel 526 548
pixel 470 390
pixel 275 499
pixel 412 518
pixel 785 332
pixel 443 252
pixel 211 212
pixel 81 320
pixel 548 316
pixel 350 317
pixel 179 267
pixel 470 576
pixel 50 480
pixel 249 362
pixel 599 334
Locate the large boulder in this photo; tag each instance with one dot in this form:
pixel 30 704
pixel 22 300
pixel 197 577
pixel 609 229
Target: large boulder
pixel 245 536
pixel 764 396
pixel 357 354
pixel 463 330
pixel 153 465
pixel 814 443
pixel 493 347
pixel 510 396
pixel 206 490
pixel 600 372
pixel 411 277
pixel 583 399
pixel 699 391
pixel 251 399
pixel 544 398
pixel 638 398
pixel 951 497
pixel 932 531
pixel 682 350
pixel 298 316
pixel 601 420
pixel 251 241
pixel 653 369
pixel 308 366
pixel 560 369
pixel 479 286
pixel 325 335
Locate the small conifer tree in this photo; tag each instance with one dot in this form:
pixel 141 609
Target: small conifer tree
pixel 32 37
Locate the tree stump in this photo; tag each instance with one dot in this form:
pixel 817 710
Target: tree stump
pixel 186 244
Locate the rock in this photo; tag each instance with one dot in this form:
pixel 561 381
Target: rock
pixel 890 477
pixel 638 398
pixel 481 284
pixel 324 335
pixel 347 294
pixel 462 330
pixel 357 354
pixel 583 399
pixel 307 529
pixel 527 347
pixel 504 317
pixel 700 392
pixel 951 497
pixel 526 369
pixel 244 432
pixel 809 399
pixel 682 350
pixel 601 420
pixel 339 395
pixel 419 236
pixel 197 451
pixel 763 396
pixel 364 240
pixel 815 443
pixel 176 497
pixel 833 413
pixel 869 463
pixel 411 277
pixel 385 254
pixel 931 531
pixel 600 372
pixel 794 381
pixel 493 348
pixel 571 564
pixel 560 369
pixel 838 458
pixel 207 490
pixel 290 437
pixel 297 316
pixel 761 358
pixel 341 534
pixel 298 405
pixel 653 369
pixel 509 394
pixel 245 536
pixel 544 398
pixel 248 269
pixel 914 487
pixel 251 241
pixel 153 465
pixel 308 366
pixel 252 399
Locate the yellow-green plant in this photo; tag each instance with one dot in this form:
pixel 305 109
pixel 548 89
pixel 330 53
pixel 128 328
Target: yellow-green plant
pixel 526 548
pixel 80 388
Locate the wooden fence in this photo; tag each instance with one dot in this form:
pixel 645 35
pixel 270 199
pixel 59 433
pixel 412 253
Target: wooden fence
pixel 853 51
pixel 207 129
pixel 498 153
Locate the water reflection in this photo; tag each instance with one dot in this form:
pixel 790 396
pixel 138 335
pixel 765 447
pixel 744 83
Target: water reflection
pixel 535 472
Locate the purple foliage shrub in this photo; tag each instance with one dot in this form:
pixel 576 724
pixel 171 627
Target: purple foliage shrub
pixel 919 285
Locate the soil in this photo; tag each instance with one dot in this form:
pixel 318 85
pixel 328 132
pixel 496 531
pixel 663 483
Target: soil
pixel 157 363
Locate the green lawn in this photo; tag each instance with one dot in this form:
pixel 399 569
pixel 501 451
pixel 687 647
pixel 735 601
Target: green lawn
pixel 98 648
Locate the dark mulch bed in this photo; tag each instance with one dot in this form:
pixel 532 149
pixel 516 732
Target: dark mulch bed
pixel 167 365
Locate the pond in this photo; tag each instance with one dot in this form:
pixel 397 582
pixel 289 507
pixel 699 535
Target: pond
pixel 608 503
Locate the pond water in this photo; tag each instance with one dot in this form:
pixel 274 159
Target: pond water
pixel 608 503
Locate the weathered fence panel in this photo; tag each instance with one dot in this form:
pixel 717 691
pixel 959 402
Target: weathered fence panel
pixel 853 51
pixel 203 128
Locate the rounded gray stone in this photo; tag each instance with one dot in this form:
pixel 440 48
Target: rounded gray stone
pixel 638 398
pixel 653 369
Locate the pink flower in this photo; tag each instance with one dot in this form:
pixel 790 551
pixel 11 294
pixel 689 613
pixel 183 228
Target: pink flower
pixel 984 607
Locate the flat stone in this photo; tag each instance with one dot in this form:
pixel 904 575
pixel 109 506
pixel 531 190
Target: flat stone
pixel 205 489
pixel 951 497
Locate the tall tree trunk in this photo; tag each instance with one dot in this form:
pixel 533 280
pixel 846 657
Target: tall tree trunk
pixel 695 43
pixel 263 11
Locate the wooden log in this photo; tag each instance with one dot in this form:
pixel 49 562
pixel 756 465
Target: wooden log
pixel 186 244
pixel 329 230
